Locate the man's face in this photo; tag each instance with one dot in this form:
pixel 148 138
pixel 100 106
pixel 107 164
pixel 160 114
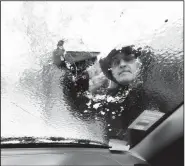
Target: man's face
pixel 125 68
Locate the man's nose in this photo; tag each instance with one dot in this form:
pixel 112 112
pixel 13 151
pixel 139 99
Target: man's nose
pixel 122 64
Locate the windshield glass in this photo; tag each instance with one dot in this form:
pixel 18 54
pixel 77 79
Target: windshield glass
pixel 87 70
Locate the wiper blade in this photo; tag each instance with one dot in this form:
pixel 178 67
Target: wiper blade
pixel 17 140
pixel 55 141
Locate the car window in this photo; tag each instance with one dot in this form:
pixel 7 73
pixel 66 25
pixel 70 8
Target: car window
pixel 58 79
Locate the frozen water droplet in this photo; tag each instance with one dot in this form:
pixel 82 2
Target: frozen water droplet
pixel 108 125
pixel 89 103
pixel 96 105
pixel 109 99
pixel 110 129
pixel 103 113
pixel 113 117
pixel 113 113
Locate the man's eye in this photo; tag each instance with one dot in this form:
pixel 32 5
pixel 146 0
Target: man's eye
pixel 116 62
pixel 130 58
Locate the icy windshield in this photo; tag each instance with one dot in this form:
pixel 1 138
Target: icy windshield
pixel 87 70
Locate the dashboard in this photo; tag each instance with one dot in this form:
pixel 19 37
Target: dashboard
pixel 68 156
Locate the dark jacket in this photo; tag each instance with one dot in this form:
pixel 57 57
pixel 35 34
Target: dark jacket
pixel 119 114
pixel 75 85
pixel 128 110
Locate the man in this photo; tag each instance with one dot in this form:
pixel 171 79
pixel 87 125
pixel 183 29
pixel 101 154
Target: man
pixel 125 98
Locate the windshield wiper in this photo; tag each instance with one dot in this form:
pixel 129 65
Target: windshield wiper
pixel 48 142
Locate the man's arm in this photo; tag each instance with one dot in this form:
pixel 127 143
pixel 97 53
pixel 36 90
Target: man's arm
pixel 82 82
